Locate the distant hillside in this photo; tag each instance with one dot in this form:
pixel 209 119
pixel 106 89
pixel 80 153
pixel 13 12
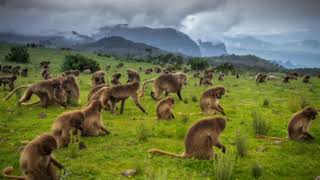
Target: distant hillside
pixel 168 39
pixel 119 46
pixel 209 49
pixel 246 63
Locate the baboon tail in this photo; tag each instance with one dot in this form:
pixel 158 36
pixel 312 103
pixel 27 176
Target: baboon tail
pixel 11 93
pixel 8 170
pixel 155 151
pixel 143 86
pixel 31 103
pixel 271 138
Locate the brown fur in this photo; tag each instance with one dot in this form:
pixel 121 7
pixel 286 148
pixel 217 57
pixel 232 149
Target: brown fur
pixel 221 77
pixel 306 78
pixel 93 125
pixel 7 69
pixel 261 78
pixel 157 69
pixel 45 90
pixel 45 74
pixel 115 79
pixel 164 108
pixel 209 102
pixel 8 80
pixel 24 72
pixel 200 139
pixel 170 83
pixel 206 79
pixel 36 160
pixel 16 70
pixel 133 76
pixel 66 123
pixel 298 128
pixel 71 72
pixel 44 64
pixel 286 79
pixel 96 89
pixel 71 88
pixel 148 71
pixel 98 78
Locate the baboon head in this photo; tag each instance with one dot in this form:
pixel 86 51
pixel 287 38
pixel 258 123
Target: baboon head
pixel 67 81
pixel 96 104
pixel 116 75
pixel 310 113
pixel 170 100
pixel 182 78
pixel 218 92
pixel 47 144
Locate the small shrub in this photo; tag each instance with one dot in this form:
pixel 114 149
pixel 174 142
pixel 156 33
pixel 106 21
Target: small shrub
pixel 223 166
pixel 79 62
pixel 265 103
pixel 260 125
pixel 241 144
pixel 143 133
pixel 18 54
pixel 257 170
pixel 194 98
pixel 186 101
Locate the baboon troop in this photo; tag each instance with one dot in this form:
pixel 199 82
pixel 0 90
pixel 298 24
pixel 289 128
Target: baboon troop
pixel 98 78
pixel 210 100
pixel 8 81
pixel 200 139
pixel 261 78
pixel 164 108
pixel 169 83
pixel 115 79
pixel 298 128
pixel 36 160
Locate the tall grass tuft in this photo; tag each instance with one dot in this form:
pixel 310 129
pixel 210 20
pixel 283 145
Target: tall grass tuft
pixel 295 103
pixel 241 144
pixel 194 98
pixel 260 125
pixel 257 170
pixel 143 132
pixel 223 166
pixel 265 103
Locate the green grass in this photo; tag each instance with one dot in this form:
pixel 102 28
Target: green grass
pixel 106 157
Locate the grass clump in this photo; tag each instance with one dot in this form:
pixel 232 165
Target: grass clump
pixel 265 103
pixel 241 144
pixel 223 166
pixel 257 170
pixel 295 103
pixel 260 125
pixel 194 98
pixel 143 133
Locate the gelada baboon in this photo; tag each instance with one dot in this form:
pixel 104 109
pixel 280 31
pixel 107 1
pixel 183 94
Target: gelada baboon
pixel 221 77
pixel 96 89
pixel 286 79
pixel 6 69
pixel 24 72
pixel 200 139
pixel 16 70
pixel 98 78
pixel 148 71
pixel 36 160
pixel 261 78
pixel 8 80
pixel 133 76
pixel 44 64
pixel 109 96
pixel 45 90
pixel 45 74
pixel 66 123
pixel 93 125
pixel 306 78
pixel 157 69
pixel 210 100
pixel 170 83
pixel 300 123
pixel 71 88
pixel 71 72
pixel 164 108
pixel 206 80
pixel 115 79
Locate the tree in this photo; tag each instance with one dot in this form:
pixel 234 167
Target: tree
pixel 198 64
pixel 79 62
pixel 18 54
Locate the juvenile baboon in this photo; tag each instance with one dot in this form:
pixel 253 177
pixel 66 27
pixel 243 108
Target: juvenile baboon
pixel 306 78
pixel 261 78
pixel 133 76
pixel 93 125
pixel 206 80
pixel 24 72
pixel 298 128
pixel 109 96
pixel 157 69
pixel 71 72
pixel 221 77
pixel 286 79
pixel 170 83
pixel 45 90
pixel 8 80
pixel 164 108
pixel 44 64
pixel 45 74
pixel 115 79
pixel 16 70
pixel 210 100
pixel 98 78
pixel 200 139
pixel 66 123
pixel 148 71
pixel 7 69
pixel 120 65
pixel 108 67
pixel 36 160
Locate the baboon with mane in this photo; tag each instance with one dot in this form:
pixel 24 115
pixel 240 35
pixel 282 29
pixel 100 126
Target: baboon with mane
pixel 210 100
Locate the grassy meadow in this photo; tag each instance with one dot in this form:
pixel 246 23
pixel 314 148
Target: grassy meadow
pixel 133 132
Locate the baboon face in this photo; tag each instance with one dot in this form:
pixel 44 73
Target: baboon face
pixel 47 145
pixel 170 100
pixel 219 92
pixel 67 81
pixel 310 112
pixel 116 75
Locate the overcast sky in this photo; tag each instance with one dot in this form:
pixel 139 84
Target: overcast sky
pixel 205 19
